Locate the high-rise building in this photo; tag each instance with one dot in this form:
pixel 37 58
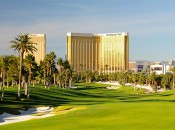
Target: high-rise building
pixel 98 52
pixel 40 40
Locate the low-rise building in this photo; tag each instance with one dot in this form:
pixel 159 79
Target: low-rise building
pixel 138 66
pixel 160 68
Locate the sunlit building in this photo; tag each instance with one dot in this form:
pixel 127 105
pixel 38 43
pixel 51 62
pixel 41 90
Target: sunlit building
pixel 40 40
pixel 105 53
pixel 139 66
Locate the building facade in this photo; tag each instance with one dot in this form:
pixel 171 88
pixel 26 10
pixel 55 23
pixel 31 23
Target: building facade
pixel 105 53
pixel 40 40
pixel 139 66
pixel 160 68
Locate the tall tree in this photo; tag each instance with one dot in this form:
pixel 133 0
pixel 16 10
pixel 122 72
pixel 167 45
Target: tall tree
pixel 141 79
pixel 134 79
pixel 68 73
pixel 43 66
pixel 60 69
pixel 13 71
pixel 60 64
pixel 122 78
pixel 4 63
pixel 50 59
pixel 81 70
pixel 172 69
pixel 23 44
pixel 166 80
pixel 29 64
pixel 88 75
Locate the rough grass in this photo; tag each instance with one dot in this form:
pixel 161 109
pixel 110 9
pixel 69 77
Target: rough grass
pixel 97 109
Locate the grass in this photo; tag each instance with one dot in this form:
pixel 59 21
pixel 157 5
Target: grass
pixel 92 107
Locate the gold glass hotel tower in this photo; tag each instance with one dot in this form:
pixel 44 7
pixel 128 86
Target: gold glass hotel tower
pixel 105 53
pixel 40 40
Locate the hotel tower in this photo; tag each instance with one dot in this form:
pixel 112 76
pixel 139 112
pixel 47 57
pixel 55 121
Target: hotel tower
pixel 105 53
pixel 40 40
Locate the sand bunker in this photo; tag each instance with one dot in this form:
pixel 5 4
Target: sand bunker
pixel 37 113
pixel 113 87
pixel 7 118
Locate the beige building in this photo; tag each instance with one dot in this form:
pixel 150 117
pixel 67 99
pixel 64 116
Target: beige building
pixel 40 40
pixel 98 52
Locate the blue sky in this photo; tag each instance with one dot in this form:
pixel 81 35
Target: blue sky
pixel 150 23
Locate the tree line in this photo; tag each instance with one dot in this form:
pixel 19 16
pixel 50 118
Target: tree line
pixel 24 71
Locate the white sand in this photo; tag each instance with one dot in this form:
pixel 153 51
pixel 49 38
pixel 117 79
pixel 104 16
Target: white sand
pixel 113 87
pixel 147 87
pixel 110 83
pixel 31 113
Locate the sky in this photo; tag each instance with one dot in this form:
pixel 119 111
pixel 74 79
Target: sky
pixel 150 23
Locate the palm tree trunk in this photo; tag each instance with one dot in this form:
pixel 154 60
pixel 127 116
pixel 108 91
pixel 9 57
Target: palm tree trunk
pixel 134 86
pixel 59 82
pixel 44 77
pixel 3 84
pixel 3 79
pixel 54 79
pixel 7 80
pixel 33 83
pixel 25 86
pixel 30 73
pixel 2 89
pixel 28 90
pixel 7 84
pixel 70 82
pixel 173 81
pixel 12 84
pixel 20 75
pixel 164 88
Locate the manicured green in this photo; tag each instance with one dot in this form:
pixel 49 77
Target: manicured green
pixel 121 109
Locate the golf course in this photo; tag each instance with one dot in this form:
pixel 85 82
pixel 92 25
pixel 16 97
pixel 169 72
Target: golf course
pixel 91 106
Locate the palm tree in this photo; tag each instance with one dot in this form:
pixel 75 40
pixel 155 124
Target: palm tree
pixel 134 79
pixel 141 79
pixel 4 63
pixel 43 66
pixel 88 74
pixel 68 70
pixel 166 79
pixel 172 69
pixel 60 64
pixel 153 80
pixel 66 64
pixel 13 70
pixel 50 58
pixel 81 70
pixel 55 72
pixel 59 78
pixel 60 68
pixel 29 63
pixel 122 78
pixel 70 73
pixel 22 44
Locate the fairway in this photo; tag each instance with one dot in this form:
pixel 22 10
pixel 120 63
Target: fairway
pixel 104 109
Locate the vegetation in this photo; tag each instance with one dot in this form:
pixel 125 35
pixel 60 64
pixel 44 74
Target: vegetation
pixel 61 74
pixel 23 45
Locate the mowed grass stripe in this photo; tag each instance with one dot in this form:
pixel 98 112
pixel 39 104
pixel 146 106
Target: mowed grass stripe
pixel 105 109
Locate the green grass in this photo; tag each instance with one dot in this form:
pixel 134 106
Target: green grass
pixel 104 109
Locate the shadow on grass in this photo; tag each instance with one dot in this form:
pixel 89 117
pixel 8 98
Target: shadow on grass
pixel 87 95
